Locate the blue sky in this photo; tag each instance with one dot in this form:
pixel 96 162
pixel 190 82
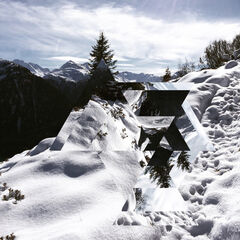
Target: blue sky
pixel 146 35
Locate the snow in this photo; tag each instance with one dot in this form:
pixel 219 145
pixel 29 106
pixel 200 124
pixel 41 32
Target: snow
pixel 75 185
pixel 101 130
pixel 33 67
pixel 65 131
pixel 163 199
pixel 137 77
pixel 231 64
pixel 236 54
pixel 67 192
pixel 70 72
pixel 42 146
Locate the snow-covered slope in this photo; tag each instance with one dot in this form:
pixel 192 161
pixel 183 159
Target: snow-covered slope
pixel 83 191
pixel 73 193
pixel 33 67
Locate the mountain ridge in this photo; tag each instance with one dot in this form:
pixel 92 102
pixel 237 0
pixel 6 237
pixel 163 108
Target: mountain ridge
pixel 83 70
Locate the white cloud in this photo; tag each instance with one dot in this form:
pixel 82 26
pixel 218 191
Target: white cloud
pixel 69 30
pixel 67 58
pixel 125 65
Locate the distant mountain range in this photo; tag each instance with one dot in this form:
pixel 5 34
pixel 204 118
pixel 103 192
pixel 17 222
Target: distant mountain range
pixel 76 72
pixel 33 67
pixel 71 77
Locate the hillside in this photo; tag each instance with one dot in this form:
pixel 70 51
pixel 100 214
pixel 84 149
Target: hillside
pixel 85 174
pixel 30 109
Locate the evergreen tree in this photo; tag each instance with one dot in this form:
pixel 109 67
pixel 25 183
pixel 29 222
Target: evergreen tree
pixel 167 76
pixel 214 53
pixel 160 174
pixel 101 51
pixel 236 42
pixel 202 63
pixel 182 161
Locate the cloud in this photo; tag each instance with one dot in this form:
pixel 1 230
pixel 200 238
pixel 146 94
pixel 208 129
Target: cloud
pixel 67 58
pixel 57 32
pixel 126 65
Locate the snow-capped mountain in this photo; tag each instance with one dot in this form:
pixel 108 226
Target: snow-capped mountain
pixel 73 193
pixel 70 71
pixel 138 77
pixel 75 72
pixel 33 67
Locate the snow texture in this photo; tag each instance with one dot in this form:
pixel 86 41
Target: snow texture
pixel 73 193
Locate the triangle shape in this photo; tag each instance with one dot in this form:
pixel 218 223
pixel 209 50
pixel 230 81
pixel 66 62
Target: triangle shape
pixel 175 138
pixel 165 144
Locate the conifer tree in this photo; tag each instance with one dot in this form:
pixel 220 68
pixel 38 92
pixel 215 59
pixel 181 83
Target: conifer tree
pixel 167 76
pixel 214 53
pixel 236 42
pixel 101 51
pixel 182 161
pixel 160 174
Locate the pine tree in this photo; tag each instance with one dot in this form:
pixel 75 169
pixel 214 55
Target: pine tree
pixel 160 174
pixel 236 42
pixel 214 53
pixel 182 161
pixel 101 51
pixel 167 76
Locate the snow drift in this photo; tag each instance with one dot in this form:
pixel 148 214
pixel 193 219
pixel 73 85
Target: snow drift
pixel 73 193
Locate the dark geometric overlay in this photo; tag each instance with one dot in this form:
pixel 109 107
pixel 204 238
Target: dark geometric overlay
pixel 163 103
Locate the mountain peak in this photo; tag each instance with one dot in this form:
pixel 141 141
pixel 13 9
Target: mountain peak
pixel 70 64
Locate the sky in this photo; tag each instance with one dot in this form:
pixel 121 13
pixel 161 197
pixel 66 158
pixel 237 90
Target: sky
pixel 146 35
